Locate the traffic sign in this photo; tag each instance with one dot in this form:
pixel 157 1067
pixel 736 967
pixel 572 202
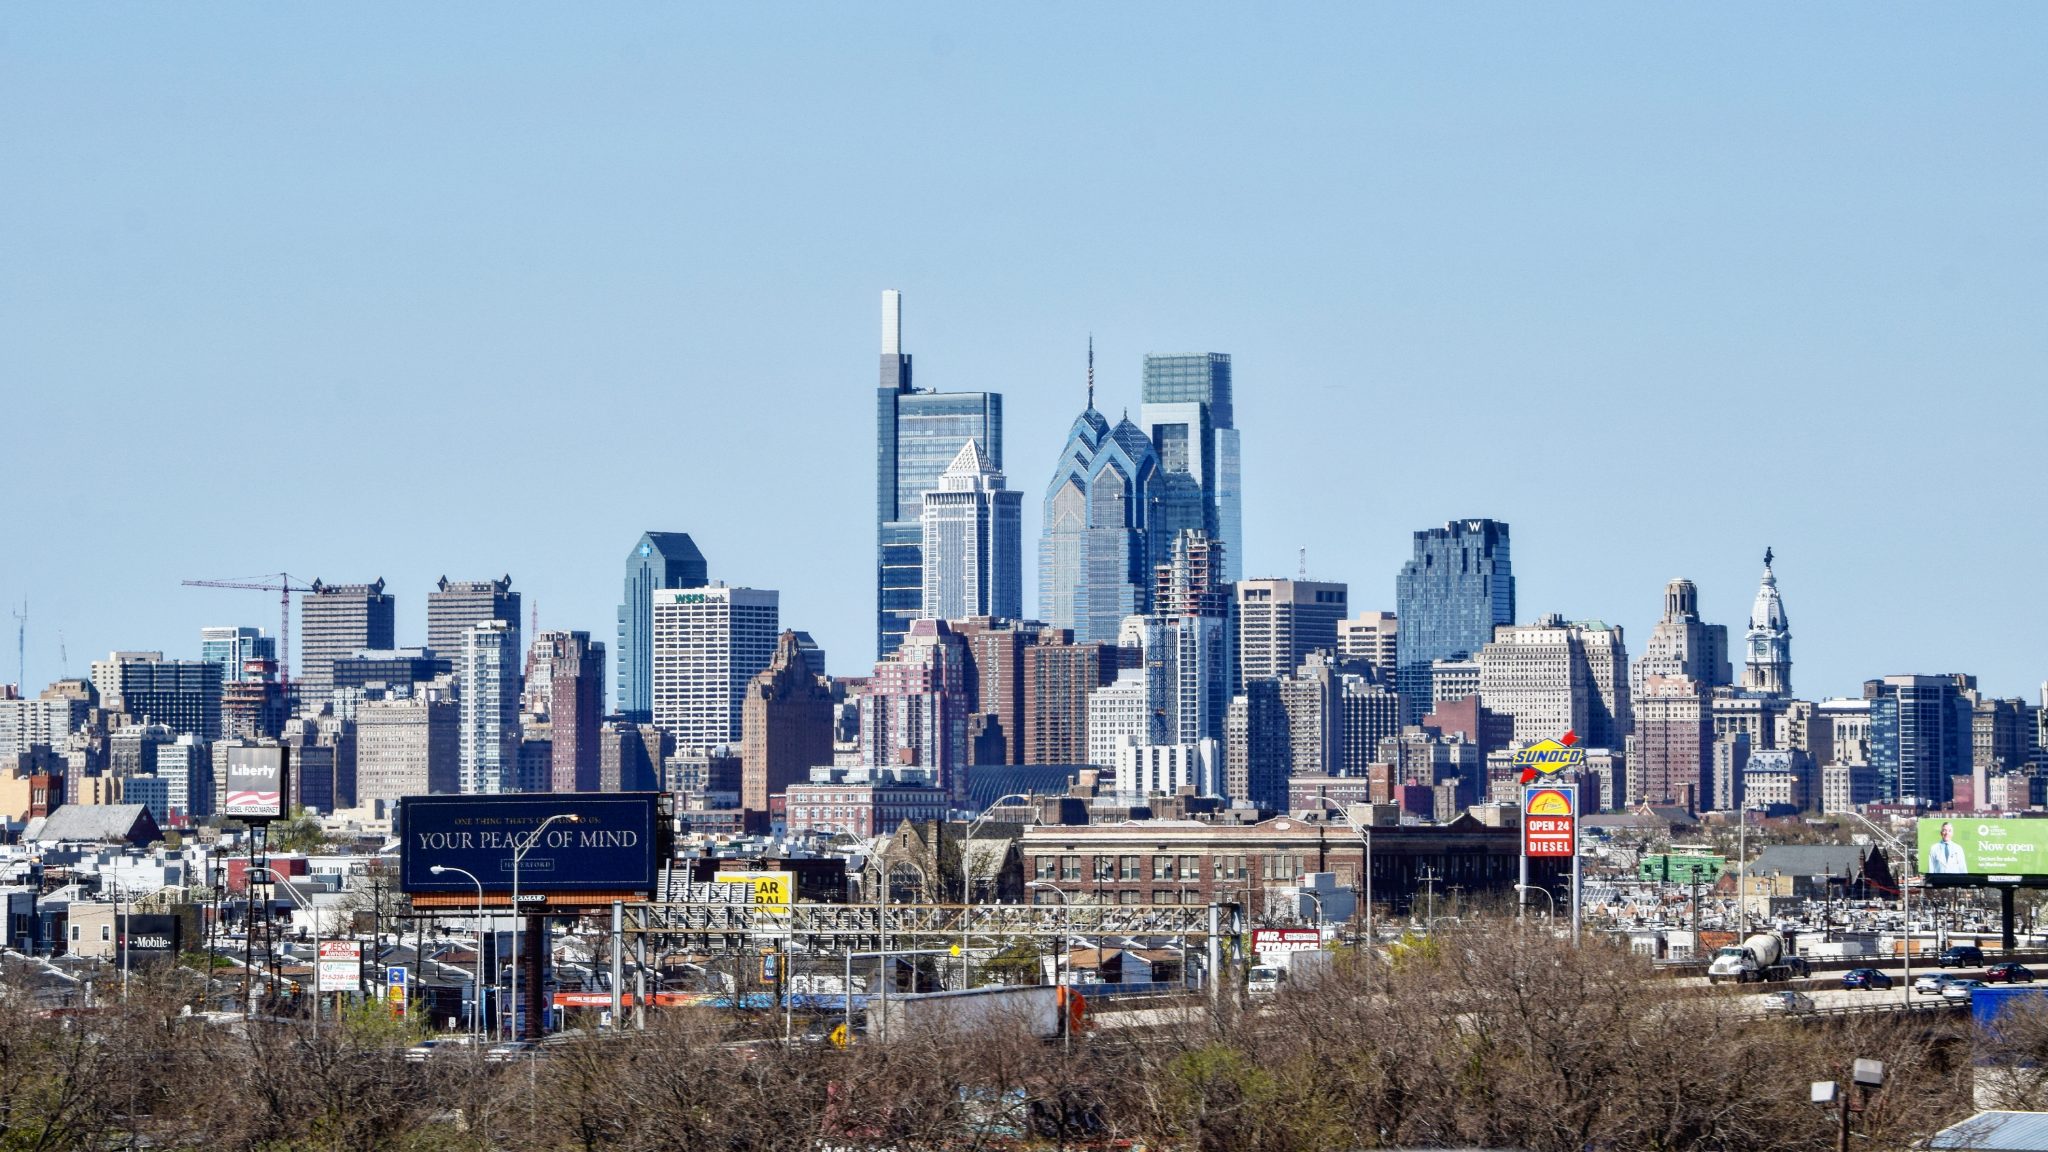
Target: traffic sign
pixel 1550 820
pixel 840 1036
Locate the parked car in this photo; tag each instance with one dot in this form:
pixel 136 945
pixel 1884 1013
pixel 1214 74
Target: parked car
pixel 2010 973
pixel 512 1050
pixel 1869 979
pixel 1787 1002
pixel 1931 984
pixel 1960 989
pixel 1962 956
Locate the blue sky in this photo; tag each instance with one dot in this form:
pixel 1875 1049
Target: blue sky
pixel 471 289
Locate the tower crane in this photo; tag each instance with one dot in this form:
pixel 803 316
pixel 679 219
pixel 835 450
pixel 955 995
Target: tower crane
pixel 280 583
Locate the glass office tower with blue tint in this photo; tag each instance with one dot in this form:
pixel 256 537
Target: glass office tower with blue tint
pixel 917 435
pixel 1449 598
pixel 1186 410
pixel 659 560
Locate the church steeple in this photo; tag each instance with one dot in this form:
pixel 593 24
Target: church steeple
pixel 1767 663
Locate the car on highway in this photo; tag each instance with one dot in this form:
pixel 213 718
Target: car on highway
pixel 1960 989
pixel 1931 984
pixel 1962 956
pixel 426 1050
pixel 1787 1002
pixel 512 1050
pixel 2009 973
pixel 1868 979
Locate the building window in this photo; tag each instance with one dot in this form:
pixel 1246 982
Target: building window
pixel 1162 867
pixel 1105 869
pixel 1045 867
pixel 1127 896
pixel 106 932
pixel 1128 868
pixel 1070 868
pixel 1191 867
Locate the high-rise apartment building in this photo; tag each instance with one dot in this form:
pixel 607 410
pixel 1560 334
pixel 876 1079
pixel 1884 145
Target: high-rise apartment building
pixel 1187 413
pixel 181 694
pixel 456 606
pixel 1059 675
pixel 1450 596
pixel 914 713
pixel 973 542
pixel 573 666
pixel 233 647
pixel 336 621
pixel 488 703
pixel 1371 712
pixel 1255 747
pixel 917 436
pixel 1682 644
pixel 1767 662
pixel 1095 561
pixel 1673 751
pixel 995 687
pixel 1920 731
pixel 1193 647
pixel 709 643
pixel 407 746
pixel 1122 710
pixel 658 561
pixel 1372 637
pixel 786 728
pixel 1311 695
pixel 1279 622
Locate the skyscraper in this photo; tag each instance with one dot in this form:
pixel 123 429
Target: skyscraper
pixel 1920 730
pixel 181 694
pixel 1187 413
pixel 1095 562
pixel 709 643
pixel 1279 622
pixel 456 606
pixel 1553 677
pixel 574 667
pixel 914 714
pixel 659 560
pixel 233 647
pixel 1767 665
pixel 1059 675
pixel 1450 596
pixel 917 435
pixel 786 728
pixel 1682 644
pixel 337 621
pixel 488 707
pixel 973 540
pixel 1374 638
pixel 1673 756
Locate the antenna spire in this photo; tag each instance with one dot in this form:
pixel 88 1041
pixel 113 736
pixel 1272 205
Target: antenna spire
pixel 1091 369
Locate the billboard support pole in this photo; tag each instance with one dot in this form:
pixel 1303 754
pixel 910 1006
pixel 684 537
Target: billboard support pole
pixel 618 962
pixel 2007 941
pixel 1575 873
pixel 640 970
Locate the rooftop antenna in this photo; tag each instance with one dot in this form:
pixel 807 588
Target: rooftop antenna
pixel 21 646
pixel 534 617
pixel 1304 564
pixel 1091 369
pixel 63 657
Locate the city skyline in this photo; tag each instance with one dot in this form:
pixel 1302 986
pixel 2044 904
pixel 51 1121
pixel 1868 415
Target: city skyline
pixel 1475 274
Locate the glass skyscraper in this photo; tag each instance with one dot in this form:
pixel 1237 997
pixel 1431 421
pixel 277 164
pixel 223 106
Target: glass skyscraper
pixel 1187 412
pixel 660 560
pixel 1449 598
pixel 1094 564
pixel 917 435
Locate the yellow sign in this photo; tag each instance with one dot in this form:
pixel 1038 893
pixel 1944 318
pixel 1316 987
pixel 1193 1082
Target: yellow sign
pixel 955 950
pixel 840 1037
pixel 1549 802
pixel 773 891
pixel 1549 757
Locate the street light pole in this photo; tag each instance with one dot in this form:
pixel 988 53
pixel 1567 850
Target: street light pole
pixel 967 878
pixel 476 1017
pixel 1066 956
pixel 1547 895
pixel 1905 897
pixel 519 852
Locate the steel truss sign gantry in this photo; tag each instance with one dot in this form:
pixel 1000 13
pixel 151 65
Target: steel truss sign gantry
pixel 837 927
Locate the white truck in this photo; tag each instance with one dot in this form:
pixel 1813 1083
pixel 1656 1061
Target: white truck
pixel 1277 968
pixel 1761 957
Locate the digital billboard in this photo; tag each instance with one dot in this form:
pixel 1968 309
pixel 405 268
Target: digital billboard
pixel 610 845
pixel 255 784
pixel 1961 849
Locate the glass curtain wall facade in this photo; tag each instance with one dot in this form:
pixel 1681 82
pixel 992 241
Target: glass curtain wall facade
pixel 1186 410
pixel 1449 597
pixel 660 560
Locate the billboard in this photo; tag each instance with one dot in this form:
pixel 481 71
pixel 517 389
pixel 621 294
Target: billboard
pixel 611 844
pixel 1964 850
pixel 773 891
pixel 1287 939
pixel 149 938
pixel 340 966
pixel 1550 821
pixel 1549 757
pixel 255 784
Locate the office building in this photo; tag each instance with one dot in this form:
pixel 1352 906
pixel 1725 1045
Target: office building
pixel 1673 750
pixel 337 621
pixel 1059 675
pixel 1374 638
pixel 1279 622
pixel 1095 565
pixel 1848 721
pixel 914 713
pixel 572 666
pixel 1166 769
pixel 1781 781
pixel 456 606
pixel 105 676
pixel 709 643
pixel 995 687
pixel 1193 650
pixel 1730 765
pixel 1682 644
pixel 408 746
pixel 392 668
pixel 234 647
pixel 918 434
pixel 1554 677
pixel 973 542
pixel 1188 415
pixel 183 694
pixel 132 748
pixel 659 561
pixel 324 762
pixel 1767 661
pixel 534 766
pixel 1450 596
pixel 785 726
pixel 2001 735
pixel 1453 680
pixel 1370 712
pixel 1121 711
pixel 1920 731
pixel 488 698
pixel 1847 787
pixel 642 758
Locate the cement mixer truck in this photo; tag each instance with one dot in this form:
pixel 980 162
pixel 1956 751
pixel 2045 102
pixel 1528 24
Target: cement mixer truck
pixel 1763 956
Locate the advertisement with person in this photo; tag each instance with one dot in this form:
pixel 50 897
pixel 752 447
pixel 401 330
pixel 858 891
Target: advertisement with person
pixel 1961 847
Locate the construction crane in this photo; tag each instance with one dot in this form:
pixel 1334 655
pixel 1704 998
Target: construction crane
pixel 280 583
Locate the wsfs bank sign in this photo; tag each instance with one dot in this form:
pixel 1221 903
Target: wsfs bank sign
pixel 611 846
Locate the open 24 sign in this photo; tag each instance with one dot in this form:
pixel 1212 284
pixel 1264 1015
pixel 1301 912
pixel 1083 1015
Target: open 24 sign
pixel 1550 820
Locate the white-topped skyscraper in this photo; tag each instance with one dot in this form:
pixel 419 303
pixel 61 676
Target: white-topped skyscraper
pixel 1767 665
pixel 1186 411
pixel 918 435
pixel 973 540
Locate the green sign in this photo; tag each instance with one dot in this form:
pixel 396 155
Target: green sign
pixel 1982 846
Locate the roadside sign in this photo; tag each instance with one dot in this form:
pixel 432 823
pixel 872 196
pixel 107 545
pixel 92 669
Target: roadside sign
pixel 1287 939
pixel 1550 820
pixel 340 966
pixel 394 989
pixel 1549 757
pixel 840 1037
pixel 770 968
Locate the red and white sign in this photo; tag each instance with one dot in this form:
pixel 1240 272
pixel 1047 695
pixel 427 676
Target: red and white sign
pixel 1550 821
pixel 340 967
pixel 1286 939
